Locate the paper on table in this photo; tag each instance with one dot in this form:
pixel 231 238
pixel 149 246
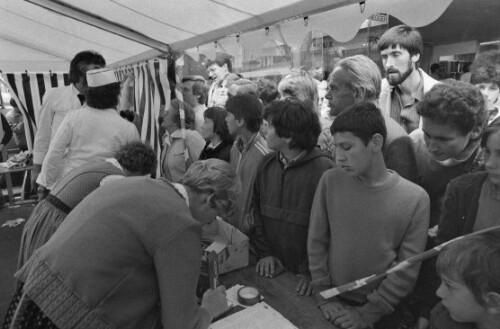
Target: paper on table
pixel 258 316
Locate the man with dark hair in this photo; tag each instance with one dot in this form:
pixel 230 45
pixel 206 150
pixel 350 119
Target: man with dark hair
pixel 243 121
pixel 58 102
pixel 405 84
pixel 284 189
pixel 364 220
pixel 447 146
pixel 218 70
pixel 194 93
pixel 357 79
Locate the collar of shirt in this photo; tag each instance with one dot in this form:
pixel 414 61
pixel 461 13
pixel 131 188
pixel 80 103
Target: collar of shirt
pixel 419 94
pixel 244 147
pixel 287 163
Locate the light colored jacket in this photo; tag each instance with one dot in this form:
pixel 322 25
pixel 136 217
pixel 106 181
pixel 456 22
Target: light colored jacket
pixel 384 101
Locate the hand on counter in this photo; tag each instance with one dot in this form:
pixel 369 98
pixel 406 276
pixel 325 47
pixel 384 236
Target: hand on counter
pixel 349 318
pixel 215 301
pixel 269 266
pixel 304 287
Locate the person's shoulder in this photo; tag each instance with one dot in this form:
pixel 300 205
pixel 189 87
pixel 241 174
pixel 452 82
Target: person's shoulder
pixel 394 129
pixel 260 145
pixel 469 180
pixel 441 319
pixel 410 188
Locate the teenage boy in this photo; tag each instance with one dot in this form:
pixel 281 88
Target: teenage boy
pixel 405 84
pixel 364 220
pixel 453 116
pixel 284 189
pixel 470 284
pixel 244 117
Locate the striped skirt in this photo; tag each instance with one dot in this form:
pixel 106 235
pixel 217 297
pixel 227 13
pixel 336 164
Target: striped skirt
pixel 43 222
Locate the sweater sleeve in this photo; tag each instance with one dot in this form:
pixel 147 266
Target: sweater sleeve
pixel 259 238
pixel 177 265
pixel 318 240
pixel 400 157
pixel 53 162
pixel 399 284
pixel 449 225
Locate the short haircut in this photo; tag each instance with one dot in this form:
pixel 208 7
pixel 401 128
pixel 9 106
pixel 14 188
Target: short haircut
pixel 364 76
pixel 103 97
pixel 295 119
pixel 85 57
pixel 216 177
pixel 189 116
pixel 245 86
pixel 218 117
pixel 268 90
pixel 221 59
pixel 246 107
pixel 363 120
pixel 457 103
pixel 485 74
pixel 300 85
pixel 492 129
pixel 403 35
pixel 199 87
pixel 475 261
pixel 137 157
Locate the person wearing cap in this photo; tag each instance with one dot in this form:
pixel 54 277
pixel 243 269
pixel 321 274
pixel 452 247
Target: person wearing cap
pixel 95 132
pixel 218 70
pixel 57 102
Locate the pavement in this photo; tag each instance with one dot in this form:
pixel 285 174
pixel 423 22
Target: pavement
pixel 10 239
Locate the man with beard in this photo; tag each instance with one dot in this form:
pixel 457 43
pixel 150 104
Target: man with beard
pixel 357 79
pixel 405 84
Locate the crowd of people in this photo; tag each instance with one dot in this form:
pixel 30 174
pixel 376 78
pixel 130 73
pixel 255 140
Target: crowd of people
pixel 400 165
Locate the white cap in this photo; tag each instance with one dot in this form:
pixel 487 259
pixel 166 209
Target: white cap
pixel 101 77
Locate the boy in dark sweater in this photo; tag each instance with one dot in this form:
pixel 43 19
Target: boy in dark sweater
pixel 364 220
pixel 284 189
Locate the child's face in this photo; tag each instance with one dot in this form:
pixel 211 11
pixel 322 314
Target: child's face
pixel 275 142
pixel 490 91
pixel 460 301
pixel 443 141
pixel 207 129
pixel 352 154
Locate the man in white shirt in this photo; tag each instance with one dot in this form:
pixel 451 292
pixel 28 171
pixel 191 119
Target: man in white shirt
pixel 58 102
pixel 194 92
pixel 218 70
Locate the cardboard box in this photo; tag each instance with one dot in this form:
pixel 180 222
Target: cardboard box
pixel 230 245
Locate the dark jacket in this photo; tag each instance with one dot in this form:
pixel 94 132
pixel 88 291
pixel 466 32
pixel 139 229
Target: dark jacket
pixel 221 151
pixel 460 206
pixel 282 203
pixel 458 216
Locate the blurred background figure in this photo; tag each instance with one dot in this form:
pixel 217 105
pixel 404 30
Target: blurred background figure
pixel 16 123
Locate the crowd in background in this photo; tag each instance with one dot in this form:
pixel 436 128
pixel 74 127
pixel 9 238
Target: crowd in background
pixel 332 187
